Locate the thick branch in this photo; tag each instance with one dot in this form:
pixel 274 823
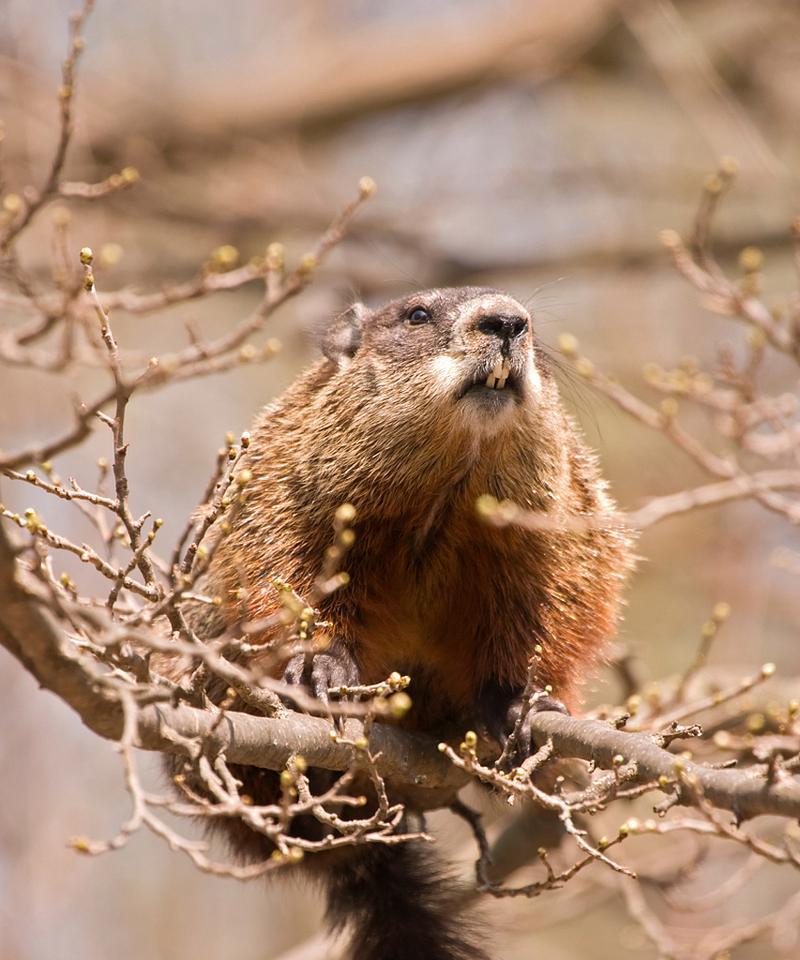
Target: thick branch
pixel 743 792
pixel 412 762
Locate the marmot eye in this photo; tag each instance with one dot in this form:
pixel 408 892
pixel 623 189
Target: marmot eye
pixel 418 315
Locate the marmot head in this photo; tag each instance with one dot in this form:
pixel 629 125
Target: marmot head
pixel 465 353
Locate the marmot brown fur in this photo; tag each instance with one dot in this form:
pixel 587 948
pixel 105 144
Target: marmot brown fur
pixel 417 409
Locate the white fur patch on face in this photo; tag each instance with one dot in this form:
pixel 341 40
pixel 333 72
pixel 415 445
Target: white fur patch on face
pixel 447 372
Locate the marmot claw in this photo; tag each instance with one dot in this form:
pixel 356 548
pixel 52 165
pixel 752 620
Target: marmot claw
pixel 323 673
pixel 525 744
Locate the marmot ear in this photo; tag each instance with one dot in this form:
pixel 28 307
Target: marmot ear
pixel 343 336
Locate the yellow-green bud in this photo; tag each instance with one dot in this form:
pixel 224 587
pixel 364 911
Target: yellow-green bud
pixel 670 239
pixel 751 259
pixel 568 344
pixel 366 187
pixel 287 778
pixel 399 704
pixel 346 513
pixel 721 611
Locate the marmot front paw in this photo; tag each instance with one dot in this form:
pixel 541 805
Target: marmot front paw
pixel 498 713
pixel 323 672
pixel 524 744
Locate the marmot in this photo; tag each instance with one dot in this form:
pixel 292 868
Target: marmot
pixel 417 409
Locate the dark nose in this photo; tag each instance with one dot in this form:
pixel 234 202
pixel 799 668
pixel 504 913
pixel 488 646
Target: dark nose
pixel 506 327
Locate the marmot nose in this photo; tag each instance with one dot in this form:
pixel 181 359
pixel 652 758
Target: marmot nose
pixel 500 326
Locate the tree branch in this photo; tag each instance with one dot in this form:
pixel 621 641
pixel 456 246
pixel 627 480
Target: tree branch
pixel 411 762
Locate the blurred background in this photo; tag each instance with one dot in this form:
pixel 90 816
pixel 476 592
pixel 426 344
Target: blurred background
pixel 534 145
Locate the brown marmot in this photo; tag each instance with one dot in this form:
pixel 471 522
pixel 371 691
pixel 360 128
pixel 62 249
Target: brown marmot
pixel 418 409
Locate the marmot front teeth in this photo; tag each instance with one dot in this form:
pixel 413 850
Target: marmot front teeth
pixel 498 376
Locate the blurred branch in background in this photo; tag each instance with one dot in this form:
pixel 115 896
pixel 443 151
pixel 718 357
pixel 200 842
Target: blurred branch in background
pixel 353 71
pixel 697 86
